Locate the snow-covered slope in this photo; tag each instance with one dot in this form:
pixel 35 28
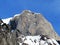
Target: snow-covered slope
pixel 36 40
pixel 7 20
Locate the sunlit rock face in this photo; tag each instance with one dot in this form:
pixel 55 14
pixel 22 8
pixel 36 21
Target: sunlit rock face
pixel 30 23
pixel 28 28
pixel 11 38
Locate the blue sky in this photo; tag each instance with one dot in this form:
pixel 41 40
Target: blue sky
pixel 50 9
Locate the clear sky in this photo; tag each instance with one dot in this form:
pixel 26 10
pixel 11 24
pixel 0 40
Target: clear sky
pixel 49 8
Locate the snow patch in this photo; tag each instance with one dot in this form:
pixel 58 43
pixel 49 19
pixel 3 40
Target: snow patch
pixel 7 20
pixel 36 40
pixel 16 15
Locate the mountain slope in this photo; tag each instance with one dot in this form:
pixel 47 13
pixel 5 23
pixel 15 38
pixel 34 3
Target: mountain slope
pixel 30 23
pixel 35 28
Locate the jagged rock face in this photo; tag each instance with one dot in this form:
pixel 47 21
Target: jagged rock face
pixel 30 23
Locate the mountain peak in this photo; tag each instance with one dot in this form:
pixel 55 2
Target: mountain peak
pixel 30 24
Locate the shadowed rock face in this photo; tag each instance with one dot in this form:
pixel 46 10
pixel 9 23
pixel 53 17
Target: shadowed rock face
pixel 58 41
pixel 30 23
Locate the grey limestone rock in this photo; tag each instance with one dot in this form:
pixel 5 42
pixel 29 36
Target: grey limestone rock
pixel 30 23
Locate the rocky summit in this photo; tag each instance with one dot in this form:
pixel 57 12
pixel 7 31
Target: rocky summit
pixel 30 23
pixel 27 28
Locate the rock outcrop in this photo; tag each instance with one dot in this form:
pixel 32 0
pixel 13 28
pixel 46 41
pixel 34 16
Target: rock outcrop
pixel 30 23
